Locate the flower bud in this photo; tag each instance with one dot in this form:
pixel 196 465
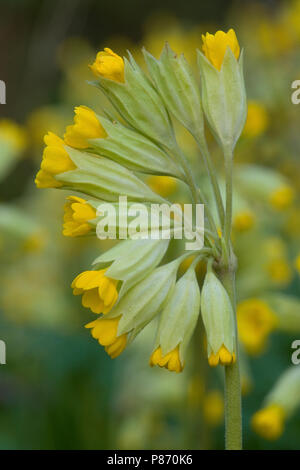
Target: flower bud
pixel 77 214
pixel 218 319
pixel 108 65
pixel 177 323
pixel 55 161
pixel 139 104
pixel 222 87
pixel 86 126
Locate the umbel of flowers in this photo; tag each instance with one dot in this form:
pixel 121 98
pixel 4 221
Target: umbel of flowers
pixel 104 155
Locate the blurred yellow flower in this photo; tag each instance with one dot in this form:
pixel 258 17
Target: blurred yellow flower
pixel 255 322
pixel 108 65
pixel 105 330
pixel 243 221
pixel 297 263
pixel 213 407
pixel 215 46
pixel 282 197
pixel 86 126
pixel 170 361
pixel 269 422
pixel 163 185
pixel 257 119
pixel 77 214
pixel 55 160
pixel 279 271
pixel 223 357
pixel 99 292
pixel 13 134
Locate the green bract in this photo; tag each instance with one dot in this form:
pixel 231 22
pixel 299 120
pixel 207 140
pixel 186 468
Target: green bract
pixel 175 81
pixel 179 317
pixel 146 299
pixel 104 179
pixel 139 104
pixel 217 315
pixel 224 98
pixel 132 260
pixel 133 150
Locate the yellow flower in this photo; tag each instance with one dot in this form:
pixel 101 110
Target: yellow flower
pixel 282 197
pixel 170 361
pixel 163 185
pixel 55 160
pixel 108 65
pixel 213 407
pixel 223 356
pixel 215 46
pixel 255 322
pixel 86 126
pixel 243 221
pixel 13 134
pixel 279 271
pixel 269 422
pixel 297 263
pixel 257 120
pixel 105 330
pixel 77 214
pixel 99 292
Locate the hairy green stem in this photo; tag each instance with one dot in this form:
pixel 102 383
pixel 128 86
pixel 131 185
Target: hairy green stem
pixel 233 401
pixel 202 144
pixel 228 213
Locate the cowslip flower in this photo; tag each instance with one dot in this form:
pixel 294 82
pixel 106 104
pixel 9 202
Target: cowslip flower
pixel 282 197
pixel 269 422
pixel 86 126
pixel 170 361
pixel 105 330
pixel 55 161
pixel 108 64
pixel 256 320
pixel 77 214
pixel 215 45
pixel 243 221
pixel 99 292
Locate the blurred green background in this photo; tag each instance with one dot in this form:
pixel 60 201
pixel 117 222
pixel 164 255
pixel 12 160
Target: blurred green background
pixel 59 390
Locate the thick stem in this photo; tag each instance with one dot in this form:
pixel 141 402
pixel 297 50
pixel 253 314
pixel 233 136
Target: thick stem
pixel 233 402
pixel 228 212
pixel 201 141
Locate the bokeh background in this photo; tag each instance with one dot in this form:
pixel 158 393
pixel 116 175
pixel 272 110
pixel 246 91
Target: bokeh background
pixel 58 389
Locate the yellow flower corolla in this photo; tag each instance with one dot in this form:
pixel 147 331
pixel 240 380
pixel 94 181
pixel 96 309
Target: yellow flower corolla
pixel 99 291
pixel 255 321
pixel 170 361
pixel 55 160
pixel 13 134
pixel 162 185
pixel 257 120
pixel 223 357
pixel 108 65
pixel 279 271
pixel 77 214
pixel 215 46
pixel 269 422
pixel 243 221
pixel 282 197
pixel 297 263
pixel 213 407
pixel 86 126
pixel 105 330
